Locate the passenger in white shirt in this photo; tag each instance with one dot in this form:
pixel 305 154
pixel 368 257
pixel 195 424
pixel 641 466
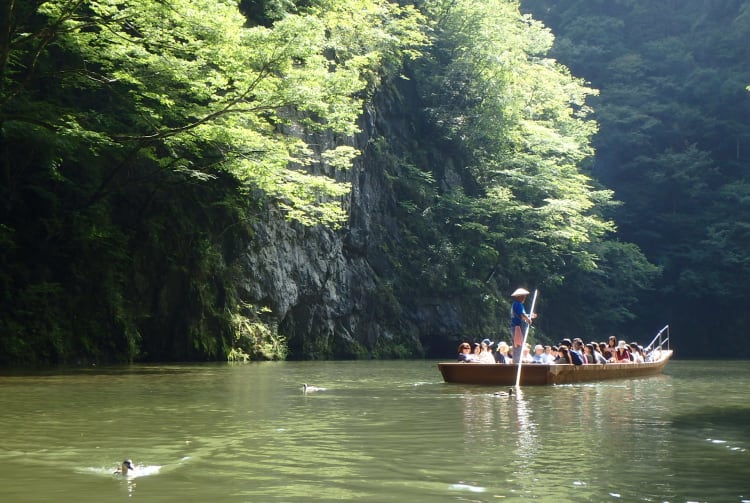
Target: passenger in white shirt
pixel 485 354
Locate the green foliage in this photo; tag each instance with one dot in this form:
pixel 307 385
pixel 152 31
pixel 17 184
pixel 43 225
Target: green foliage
pixel 599 301
pixel 672 144
pixel 523 209
pixel 198 93
pixel 521 120
pixel 255 338
pixel 137 140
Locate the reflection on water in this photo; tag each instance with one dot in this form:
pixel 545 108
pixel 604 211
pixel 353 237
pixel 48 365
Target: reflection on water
pixel 380 431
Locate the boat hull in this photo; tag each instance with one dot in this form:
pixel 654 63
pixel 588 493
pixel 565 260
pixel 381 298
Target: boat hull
pixel 534 374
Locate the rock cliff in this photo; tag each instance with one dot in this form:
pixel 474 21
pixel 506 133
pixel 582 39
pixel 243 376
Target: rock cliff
pixel 330 290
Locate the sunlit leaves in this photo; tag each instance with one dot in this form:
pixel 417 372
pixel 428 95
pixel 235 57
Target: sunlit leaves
pixel 339 157
pixel 189 79
pixel 522 119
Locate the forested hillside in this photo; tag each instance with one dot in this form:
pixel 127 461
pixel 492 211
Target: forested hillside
pixel 674 145
pixel 207 179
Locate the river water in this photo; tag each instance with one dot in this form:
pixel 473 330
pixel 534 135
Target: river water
pixel 379 432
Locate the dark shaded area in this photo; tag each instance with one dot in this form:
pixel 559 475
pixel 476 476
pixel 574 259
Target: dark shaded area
pixel 717 422
pixel 674 144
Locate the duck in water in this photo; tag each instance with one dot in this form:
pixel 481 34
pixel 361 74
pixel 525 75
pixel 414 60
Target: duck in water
pixel 306 388
pixel 505 394
pixel 126 468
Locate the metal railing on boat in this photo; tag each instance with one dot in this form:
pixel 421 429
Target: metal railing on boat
pixel 657 343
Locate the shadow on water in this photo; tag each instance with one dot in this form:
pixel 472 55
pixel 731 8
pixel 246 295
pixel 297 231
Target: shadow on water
pixel 125 370
pixel 725 421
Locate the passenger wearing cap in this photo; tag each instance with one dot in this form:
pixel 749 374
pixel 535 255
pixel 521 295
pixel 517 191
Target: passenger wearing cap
pixel 485 354
pixel 502 356
pixel 539 355
pixel 518 321
pixel 622 355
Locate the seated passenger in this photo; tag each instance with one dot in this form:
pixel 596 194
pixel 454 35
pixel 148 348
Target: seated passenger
pixel 622 355
pixel 539 356
pixel 588 354
pixel 502 356
pixel 485 354
pixel 612 348
pixel 526 354
pixel 563 356
pixel 555 353
pixel 574 350
pixel 636 354
pixel 465 355
pixel 549 354
pixel 595 353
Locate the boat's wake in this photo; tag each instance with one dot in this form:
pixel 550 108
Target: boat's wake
pixel 467 487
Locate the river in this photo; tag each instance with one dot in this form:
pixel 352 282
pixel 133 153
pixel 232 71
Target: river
pixel 380 431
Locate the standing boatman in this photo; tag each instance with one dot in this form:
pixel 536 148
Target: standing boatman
pixel 518 321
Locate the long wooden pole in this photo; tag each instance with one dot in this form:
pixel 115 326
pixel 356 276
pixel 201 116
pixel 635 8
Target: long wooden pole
pixel 525 335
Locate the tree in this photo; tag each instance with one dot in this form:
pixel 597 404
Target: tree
pixel 672 138
pixel 128 130
pixel 521 208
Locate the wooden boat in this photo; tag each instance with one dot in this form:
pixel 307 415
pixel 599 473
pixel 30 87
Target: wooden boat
pixel 535 374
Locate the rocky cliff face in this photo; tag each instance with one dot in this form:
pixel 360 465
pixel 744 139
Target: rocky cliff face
pixel 329 289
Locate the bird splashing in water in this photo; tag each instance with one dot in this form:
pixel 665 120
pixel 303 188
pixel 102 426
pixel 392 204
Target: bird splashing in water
pixel 306 388
pixel 126 468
